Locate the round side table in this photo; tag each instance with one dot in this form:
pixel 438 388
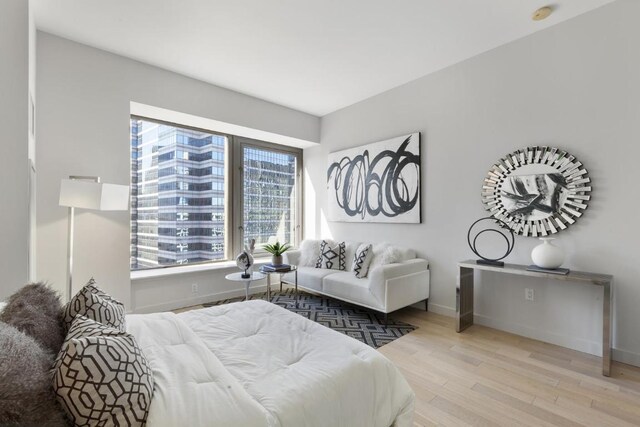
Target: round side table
pixel 293 269
pixel 237 277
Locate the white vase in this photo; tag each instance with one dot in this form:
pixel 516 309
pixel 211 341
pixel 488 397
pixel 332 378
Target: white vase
pixel 547 255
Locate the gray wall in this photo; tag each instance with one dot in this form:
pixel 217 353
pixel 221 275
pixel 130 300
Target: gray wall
pixel 575 86
pixel 14 89
pixel 84 97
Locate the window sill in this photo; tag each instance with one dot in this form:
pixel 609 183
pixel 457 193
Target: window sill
pixel 173 271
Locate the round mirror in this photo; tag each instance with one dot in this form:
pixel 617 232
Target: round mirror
pixel 537 191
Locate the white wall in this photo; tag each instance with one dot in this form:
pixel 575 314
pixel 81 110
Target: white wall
pixel 14 87
pixel 575 86
pixel 84 97
pixel 31 152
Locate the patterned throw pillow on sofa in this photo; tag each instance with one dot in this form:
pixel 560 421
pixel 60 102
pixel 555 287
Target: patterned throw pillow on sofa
pixel 333 258
pixel 362 260
pixel 95 304
pixel 101 376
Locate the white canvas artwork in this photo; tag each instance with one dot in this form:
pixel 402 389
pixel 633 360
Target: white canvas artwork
pixel 378 182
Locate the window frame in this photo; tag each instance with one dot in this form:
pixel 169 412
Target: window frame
pixel 233 191
pixel 238 146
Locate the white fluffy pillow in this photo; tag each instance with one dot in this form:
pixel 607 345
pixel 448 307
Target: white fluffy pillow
pixel 384 254
pixel 309 251
pixel 390 255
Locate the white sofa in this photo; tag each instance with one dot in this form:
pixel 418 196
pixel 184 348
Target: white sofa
pixel 396 277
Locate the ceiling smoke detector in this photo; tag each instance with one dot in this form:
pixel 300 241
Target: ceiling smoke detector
pixel 542 13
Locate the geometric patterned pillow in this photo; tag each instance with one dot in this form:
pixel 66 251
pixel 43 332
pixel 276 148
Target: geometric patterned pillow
pixel 332 257
pixel 102 378
pixel 95 304
pixel 361 260
pixel 84 327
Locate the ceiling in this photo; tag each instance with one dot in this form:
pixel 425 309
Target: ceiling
pixel 314 56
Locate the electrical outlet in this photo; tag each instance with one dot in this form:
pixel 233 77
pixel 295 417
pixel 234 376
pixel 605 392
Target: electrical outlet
pixel 528 294
pixel 194 288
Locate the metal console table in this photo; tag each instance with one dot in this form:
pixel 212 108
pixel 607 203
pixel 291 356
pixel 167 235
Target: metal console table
pixel 464 296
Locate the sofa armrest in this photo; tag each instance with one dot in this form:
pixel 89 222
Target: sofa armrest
pixel 291 257
pixel 399 284
pixel 396 269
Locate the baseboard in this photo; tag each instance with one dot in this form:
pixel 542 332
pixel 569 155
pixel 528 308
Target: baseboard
pixel 585 346
pixel 442 309
pixel 201 299
pixel 625 356
pixel 579 344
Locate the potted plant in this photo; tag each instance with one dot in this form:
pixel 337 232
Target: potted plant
pixel 276 250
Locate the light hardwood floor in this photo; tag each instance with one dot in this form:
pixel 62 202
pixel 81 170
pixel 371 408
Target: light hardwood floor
pixel 485 377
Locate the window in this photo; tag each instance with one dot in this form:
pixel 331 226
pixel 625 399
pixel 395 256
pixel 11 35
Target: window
pixel 172 210
pixel 269 195
pixel 198 196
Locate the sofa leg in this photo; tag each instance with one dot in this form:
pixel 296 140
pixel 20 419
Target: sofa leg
pixel 426 304
pixel 386 319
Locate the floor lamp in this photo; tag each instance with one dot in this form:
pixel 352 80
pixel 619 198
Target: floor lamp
pixel 87 192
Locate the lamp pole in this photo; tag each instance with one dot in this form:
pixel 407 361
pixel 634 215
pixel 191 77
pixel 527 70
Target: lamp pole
pixel 70 236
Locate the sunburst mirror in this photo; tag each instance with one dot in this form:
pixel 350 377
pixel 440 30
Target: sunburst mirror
pixel 537 191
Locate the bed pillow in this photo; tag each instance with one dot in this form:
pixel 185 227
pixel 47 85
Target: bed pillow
pixel 362 260
pixel 332 256
pixel 84 327
pixel 101 376
pixel 35 309
pixel 26 396
pixel 95 304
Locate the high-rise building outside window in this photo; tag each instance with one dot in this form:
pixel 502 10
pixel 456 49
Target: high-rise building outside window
pixel 269 203
pixel 183 194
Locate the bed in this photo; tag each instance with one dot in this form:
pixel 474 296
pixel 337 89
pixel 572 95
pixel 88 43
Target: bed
pixel 256 364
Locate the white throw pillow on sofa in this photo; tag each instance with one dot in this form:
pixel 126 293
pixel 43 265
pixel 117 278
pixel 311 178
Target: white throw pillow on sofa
pixel 332 256
pixel 362 259
pixel 383 254
pixel 309 251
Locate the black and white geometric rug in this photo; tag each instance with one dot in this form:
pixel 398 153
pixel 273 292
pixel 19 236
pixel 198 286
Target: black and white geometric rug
pixel 357 322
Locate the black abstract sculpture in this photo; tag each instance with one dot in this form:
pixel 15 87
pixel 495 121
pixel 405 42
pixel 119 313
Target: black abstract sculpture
pixel 510 242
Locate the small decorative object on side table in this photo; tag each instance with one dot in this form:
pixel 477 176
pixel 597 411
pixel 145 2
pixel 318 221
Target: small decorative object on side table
pixel 244 260
pixel 510 241
pixel 547 258
pixel 276 250
pixel 237 277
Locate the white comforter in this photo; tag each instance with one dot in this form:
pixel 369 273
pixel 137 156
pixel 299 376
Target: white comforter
pixel 257 364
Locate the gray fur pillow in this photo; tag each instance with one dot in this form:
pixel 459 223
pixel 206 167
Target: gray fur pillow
pixel 36 310
pixel 26 394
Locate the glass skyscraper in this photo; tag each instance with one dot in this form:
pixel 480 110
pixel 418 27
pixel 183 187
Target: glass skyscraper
pixel 269 195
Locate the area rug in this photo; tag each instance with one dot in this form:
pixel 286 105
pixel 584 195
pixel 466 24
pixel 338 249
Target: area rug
pixel 357 322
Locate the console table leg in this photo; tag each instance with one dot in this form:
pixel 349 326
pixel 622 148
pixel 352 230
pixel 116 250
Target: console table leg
pixel 464 299
pixel 606 330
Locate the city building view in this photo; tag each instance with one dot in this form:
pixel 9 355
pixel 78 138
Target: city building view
pixel 178 209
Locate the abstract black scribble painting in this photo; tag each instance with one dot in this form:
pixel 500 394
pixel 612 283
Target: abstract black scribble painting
pixel 534 197
pixel 378 182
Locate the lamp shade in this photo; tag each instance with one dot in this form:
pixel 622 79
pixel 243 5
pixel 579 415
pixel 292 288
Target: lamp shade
pixel 93 195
